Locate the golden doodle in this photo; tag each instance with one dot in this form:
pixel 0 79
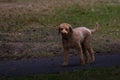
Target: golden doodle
pixel 79 39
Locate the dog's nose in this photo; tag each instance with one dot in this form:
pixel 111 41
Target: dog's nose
pixel 64 31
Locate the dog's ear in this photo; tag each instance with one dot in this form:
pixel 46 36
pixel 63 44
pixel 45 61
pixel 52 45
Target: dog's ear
pixel 70 29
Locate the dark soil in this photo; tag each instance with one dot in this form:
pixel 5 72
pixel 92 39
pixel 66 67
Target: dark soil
pixel 25 46
pixel 29 44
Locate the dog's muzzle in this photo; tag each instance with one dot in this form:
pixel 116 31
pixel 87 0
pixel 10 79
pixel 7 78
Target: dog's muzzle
pixel 64 32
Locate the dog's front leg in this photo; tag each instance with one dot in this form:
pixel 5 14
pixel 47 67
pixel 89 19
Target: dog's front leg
pixel 66 55
pixel 80 55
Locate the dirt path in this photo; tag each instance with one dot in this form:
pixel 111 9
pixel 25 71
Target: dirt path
pixel 53 65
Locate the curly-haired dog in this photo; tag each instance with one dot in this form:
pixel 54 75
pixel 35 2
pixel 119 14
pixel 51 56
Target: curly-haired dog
pixel 79 39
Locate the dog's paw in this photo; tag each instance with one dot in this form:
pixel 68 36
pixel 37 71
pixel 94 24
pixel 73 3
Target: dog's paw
pixel 65 64
pixel 82 62
pixel 92 60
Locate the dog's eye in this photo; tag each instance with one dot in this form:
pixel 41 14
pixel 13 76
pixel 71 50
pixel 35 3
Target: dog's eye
pixel 66 29
pixel 61 29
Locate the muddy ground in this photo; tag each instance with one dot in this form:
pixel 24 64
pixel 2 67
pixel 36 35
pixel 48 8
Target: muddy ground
pixel 29 44
pixel 44 44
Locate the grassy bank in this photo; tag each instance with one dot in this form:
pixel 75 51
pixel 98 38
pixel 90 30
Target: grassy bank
pixel 111 73
pixel 30 26
pixel 16 16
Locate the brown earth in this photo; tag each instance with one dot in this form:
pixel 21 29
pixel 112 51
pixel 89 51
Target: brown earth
pixel 23 45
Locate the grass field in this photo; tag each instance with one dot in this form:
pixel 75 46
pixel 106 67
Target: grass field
pixel 110 73
pixel 28 28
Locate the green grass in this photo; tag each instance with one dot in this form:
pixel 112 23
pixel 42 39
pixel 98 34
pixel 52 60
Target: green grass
pixel 110 73
pixel 106 14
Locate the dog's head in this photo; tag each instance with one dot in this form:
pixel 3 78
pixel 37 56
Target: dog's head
pixel 65 29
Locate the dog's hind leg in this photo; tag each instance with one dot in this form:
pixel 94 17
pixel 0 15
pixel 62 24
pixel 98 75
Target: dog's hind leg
pixel 88 49
pixel 85 53
pixel 92 56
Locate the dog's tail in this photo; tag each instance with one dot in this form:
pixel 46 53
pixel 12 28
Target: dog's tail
pixel 95 27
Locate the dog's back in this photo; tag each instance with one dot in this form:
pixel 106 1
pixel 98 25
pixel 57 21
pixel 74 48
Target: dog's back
pixel 82 30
